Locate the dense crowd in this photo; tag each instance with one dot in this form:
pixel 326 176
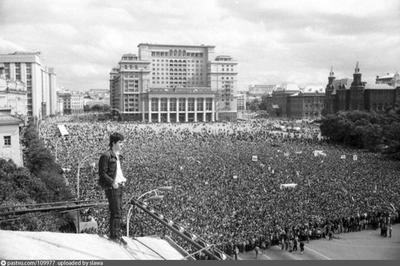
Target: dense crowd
pixel 227 179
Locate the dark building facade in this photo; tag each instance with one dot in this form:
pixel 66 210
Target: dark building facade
pixel 354 94
pixel 295 104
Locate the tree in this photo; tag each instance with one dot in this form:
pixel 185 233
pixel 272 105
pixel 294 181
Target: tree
pixel 254 105
pixel 41 163
pixel 362 129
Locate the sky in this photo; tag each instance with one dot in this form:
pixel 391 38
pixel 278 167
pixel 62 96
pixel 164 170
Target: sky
pixel 285 41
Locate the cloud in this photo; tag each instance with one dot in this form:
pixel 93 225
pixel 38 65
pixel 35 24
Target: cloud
pixel 273 41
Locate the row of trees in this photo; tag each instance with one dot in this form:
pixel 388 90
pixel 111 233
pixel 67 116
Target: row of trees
pixel 97 108
pixel 39 182
pixel 365 130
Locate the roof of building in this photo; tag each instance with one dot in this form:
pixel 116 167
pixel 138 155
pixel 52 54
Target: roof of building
pixel 194 90
pixel 388 76
pixel 379 87
pixel 288 87
pixel 339 82
pixel 223 57
pixel 176 45
pixel 308 94
pixel 9 120
pixel 68 246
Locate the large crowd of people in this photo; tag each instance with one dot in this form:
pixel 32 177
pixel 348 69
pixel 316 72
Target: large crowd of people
pixel 227 178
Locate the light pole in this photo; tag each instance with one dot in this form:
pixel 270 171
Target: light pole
pixel 78 187
pixel 116 109
pixel 79 170
pixel 58 140
pixel 156 196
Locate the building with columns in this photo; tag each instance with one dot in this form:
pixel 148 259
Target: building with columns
pixel 174 83
pixel 179 105
pixel 40 81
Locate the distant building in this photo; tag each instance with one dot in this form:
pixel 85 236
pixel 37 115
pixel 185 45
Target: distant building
pixel 222 79
pixel 13 96
pixel 40 81
pixel 169 75
pixel 260 90
pixel 241 99
pixel 305 105
pixel 354 94
pixel 60 106
pixel 9 138
pixel 291 102
pixel 389 79
pixel 257 92
pixel 77 102
pixel 97 97
pixel 278 100
pixel 64 99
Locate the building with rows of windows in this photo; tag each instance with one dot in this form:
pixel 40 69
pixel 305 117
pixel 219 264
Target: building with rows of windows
pixel 355 94
pixel 40 81
pixel 174 83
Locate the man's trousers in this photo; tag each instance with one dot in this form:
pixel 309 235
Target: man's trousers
pixel 114 197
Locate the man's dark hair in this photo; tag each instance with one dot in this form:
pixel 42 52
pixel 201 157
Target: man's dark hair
pixel 115 137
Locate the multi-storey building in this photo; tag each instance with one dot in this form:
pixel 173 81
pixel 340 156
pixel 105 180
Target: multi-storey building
pixel 10 147
pixel 389 79
pixel 64 99
pixel 77 102
pixel 258 91
pixel 170 75
pixel 241 99
pixel 13 96
pixel 222 78
pixel 305 105
pixel 291 102
pixel 40 81
pixel 354 94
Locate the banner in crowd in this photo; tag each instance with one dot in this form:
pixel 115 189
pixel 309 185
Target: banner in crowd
pixel 254 158
pixel 343 157
pixel 355 157
pixel 319 153
pixel 290 185
pixel 63 131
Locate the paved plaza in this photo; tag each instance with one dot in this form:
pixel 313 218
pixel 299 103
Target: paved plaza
pixel 364 245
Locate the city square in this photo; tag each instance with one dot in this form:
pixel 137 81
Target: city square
pixel 199 130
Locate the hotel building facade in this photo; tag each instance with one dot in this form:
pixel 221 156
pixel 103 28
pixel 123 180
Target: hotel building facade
pixel 174 83
pixel 39 79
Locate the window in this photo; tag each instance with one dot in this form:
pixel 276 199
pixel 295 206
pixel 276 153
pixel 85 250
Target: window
pixel 154 104
pixel 182 104
pixel 208 104
pixel 163 104
pixel 7 140
pixel 199 104
pixel 191 104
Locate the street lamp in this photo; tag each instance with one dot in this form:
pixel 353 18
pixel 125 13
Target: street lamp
pixel 116 109
pixel 79 169
pixel 156 196
pixel 78 187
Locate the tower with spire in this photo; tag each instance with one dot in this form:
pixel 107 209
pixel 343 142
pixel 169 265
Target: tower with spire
pixel 329 97
pixel 357 77
pixel 331 77
pixel 356 95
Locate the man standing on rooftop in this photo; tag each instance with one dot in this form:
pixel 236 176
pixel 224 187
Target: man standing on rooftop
pixel 112 180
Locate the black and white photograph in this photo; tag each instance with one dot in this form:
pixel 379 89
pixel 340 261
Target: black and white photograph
pixel 211 130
